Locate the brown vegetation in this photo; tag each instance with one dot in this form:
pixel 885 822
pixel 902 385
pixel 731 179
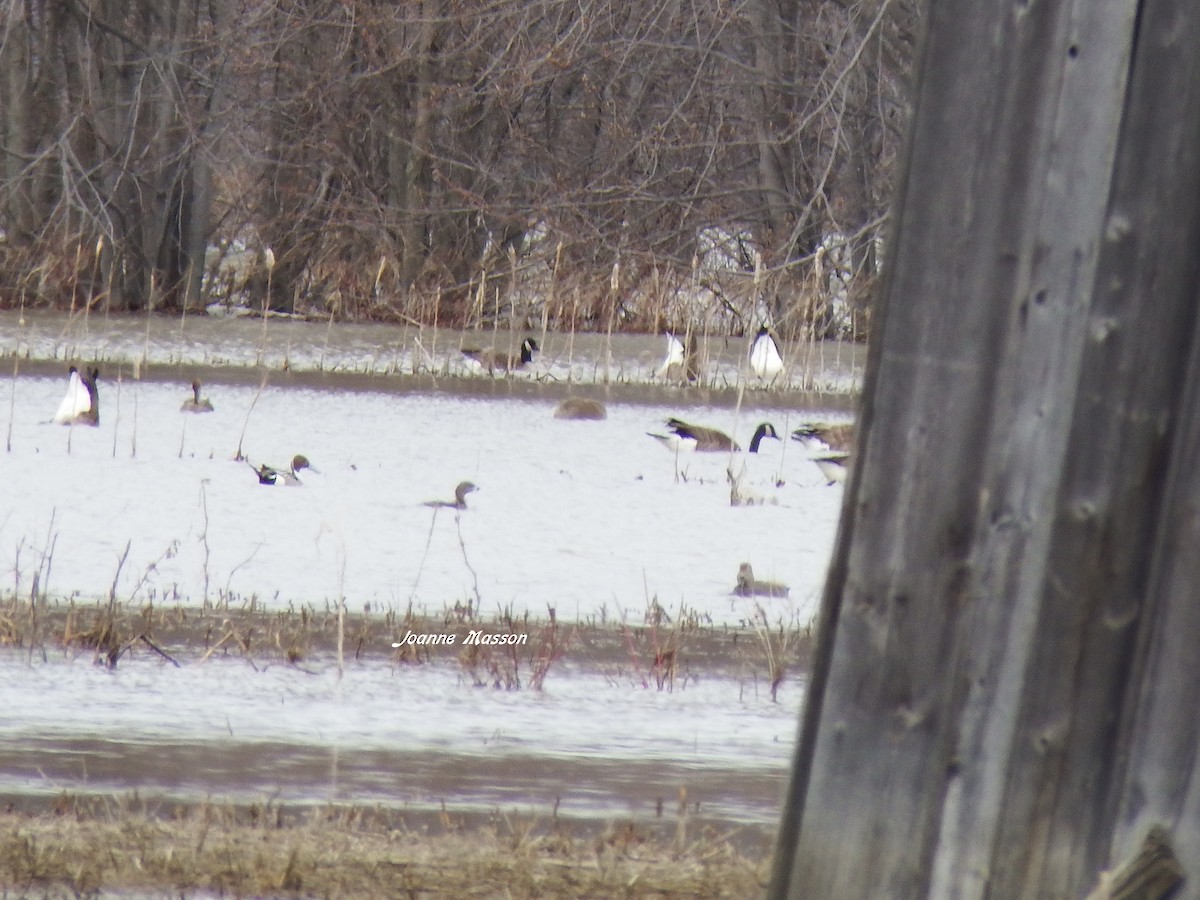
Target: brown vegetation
pixel 658 651
pixel 82 849
pixel 591 164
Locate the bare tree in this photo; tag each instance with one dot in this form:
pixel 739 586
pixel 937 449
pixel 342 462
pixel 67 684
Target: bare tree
pixel 451 148
pixel 105 110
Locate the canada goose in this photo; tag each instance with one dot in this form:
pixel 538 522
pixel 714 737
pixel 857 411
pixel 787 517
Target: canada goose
pixel 680 363
pixel 830 447
pixel 826 437
pixel 685 436
pixel 833 465
pixel 749 586
pixel 580 408
pixel 494 360
pixel 460 497
pixel 81 405
pixel 277 477
pixel 766 362
pixel 196 403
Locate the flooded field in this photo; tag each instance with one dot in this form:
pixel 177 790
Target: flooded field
pixel 591 745
pixel 592 519
pixel 592 523
pixel 376 349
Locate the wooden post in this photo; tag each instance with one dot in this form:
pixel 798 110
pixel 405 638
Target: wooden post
pixel 1004 695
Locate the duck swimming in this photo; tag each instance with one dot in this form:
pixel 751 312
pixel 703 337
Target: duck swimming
pixel 460 497
pixel 749 586
pixel 276 477
pixel 685 436
pixel 495 360
pixel 196 403
pixel 81 405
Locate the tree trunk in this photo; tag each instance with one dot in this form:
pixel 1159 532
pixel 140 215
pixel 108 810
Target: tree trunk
pixel 414 177
pixel 995 704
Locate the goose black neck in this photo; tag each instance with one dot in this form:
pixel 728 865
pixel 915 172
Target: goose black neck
pixel 759 434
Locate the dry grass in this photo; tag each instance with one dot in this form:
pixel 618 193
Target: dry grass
pixel 354 853
pixel 780 644
pixel 658 652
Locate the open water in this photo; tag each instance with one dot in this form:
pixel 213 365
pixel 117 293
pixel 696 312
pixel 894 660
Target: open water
pixel 594 520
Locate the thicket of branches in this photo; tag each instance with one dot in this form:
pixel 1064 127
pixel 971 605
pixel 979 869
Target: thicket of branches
pixel 594 161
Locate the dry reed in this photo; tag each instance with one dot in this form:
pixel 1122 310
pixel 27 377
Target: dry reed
pixel 85 848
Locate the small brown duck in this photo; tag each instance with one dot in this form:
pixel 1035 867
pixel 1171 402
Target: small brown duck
pixel 749 586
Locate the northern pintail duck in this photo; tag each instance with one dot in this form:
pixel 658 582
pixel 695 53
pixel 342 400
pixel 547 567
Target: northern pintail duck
pixel 766 362
pixel 680 362
pixel 580 408
pixel 460 497
pixel 749 586
pixel 277 477
pixel 496 360
pixel 685 436
pixel 81 405
pixel 830 447
pixel 196 403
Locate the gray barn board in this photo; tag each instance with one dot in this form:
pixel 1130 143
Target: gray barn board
pixel 1004 698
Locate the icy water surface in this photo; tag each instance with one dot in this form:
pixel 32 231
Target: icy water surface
pixel 593 520
pixel 597 745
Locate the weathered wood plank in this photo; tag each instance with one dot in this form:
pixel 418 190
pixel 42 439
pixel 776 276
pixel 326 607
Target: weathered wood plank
pixel 1151 874
pixel 1061 802
pixel 985 609
pixel 1029 446
pixel 1160 740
